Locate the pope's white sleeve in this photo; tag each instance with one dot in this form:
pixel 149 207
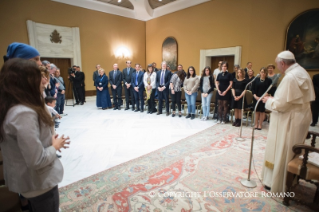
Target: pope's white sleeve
pixel 279 105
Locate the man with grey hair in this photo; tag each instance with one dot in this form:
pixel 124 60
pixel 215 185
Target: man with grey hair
pixel 61 92
pixel 290 119
pixel 96 74
pixel 163 78
pixel 129 90
pixel 53 81
pixel 115 79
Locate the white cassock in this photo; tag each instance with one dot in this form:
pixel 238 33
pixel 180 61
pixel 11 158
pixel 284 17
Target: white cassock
pixel 289 124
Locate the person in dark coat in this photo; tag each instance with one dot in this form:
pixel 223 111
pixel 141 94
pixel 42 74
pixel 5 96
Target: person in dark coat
pixel 96 73
pixel 78 82
pixel 238 91
pixel 259 87
pixel 315 104
pixel 129 90
pixel 103 99
pixel 224 83
pixel 116 86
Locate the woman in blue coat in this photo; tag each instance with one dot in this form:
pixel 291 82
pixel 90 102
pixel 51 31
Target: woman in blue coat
pixel 102 92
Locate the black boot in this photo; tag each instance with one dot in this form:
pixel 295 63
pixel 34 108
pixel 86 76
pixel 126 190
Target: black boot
pixel 238 123
pixel 188 116
pixel 193 116
pixel 235 122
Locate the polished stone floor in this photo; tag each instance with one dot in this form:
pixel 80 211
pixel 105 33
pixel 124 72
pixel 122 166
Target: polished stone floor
pixel 101 139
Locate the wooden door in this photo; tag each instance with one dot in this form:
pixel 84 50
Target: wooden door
pixel 230 59
pixel 63 64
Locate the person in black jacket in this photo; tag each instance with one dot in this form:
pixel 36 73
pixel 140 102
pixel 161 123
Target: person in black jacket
pixel 163 78
pixel 83 83
pixel 78 83
pixel 248 67
pixel 154 66
pixel 138 85
pixel 116 86
pixel 96 74
pixel 259 87
pixel 206 86
pixel 129 94
pixel 315 104
pixel 238 91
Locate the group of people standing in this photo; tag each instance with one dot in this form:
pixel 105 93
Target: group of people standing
pixel 162 84
pixel 155 83
pixel 231 88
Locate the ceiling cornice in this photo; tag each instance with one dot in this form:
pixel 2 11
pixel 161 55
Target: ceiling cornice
pixel 142 10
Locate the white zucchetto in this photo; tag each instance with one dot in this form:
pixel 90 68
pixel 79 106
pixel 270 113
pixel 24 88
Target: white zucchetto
pixel 288 55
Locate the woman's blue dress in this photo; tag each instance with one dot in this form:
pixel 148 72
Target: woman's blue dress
pixel 103 98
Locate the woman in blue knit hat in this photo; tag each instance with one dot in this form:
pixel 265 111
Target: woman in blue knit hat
pixel 21 50
pixel 36 171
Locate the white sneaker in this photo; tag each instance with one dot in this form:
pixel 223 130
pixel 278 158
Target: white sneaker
pixel 205 118
pixel 223 122
pixel 219 122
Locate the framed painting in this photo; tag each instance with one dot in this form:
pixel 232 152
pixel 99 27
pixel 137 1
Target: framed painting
pixel 169 52
pixel 302 39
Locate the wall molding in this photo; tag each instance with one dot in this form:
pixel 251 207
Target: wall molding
pixel 70 47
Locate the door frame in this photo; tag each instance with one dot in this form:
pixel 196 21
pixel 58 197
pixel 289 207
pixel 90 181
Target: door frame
pixel 206 54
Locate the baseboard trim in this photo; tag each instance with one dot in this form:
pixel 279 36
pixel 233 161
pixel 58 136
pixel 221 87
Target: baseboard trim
pixel 90 93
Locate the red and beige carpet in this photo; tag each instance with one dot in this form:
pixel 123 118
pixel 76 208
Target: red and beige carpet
pixel 189 175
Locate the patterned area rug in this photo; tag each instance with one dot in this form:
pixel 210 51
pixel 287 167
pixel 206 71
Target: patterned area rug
pixel 189 175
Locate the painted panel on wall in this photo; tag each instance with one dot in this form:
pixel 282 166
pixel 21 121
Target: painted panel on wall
pixel 169 52
pixel 303 39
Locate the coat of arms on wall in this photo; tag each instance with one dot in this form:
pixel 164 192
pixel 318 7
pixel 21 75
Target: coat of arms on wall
pixel 55 37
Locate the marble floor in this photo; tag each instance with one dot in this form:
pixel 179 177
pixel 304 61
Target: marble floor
pixel 101 139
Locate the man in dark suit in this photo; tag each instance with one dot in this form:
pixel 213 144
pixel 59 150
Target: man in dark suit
pixel 96 74
pixel 78 83
pixel 115 79
pixel 154 66
pixel 315 104
pixel 83 83
pixel 128 88
pixel 138 85
pixel 163 78
pixel 248 67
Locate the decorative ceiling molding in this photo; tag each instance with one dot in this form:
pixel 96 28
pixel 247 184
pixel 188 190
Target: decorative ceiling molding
pixel 123 3
pixel 156 3
pixel 142 9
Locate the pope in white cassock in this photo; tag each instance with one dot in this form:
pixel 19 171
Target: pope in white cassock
pixel 290 120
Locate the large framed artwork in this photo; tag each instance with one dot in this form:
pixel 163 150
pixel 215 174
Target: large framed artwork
pixel 169 52
pixel 302 39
